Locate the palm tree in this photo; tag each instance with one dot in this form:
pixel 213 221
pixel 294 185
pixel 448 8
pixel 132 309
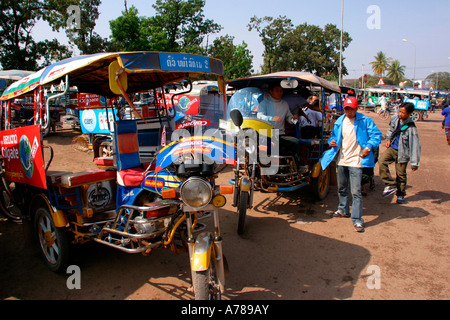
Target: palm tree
pixel 381 63
pixel 396 72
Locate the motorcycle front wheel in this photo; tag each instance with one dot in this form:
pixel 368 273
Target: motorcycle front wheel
pixel 242 211
pixel 206 283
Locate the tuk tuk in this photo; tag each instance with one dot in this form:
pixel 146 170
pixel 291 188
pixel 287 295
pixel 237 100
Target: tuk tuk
pixel 259 165
pixel 421 99
pixel 128 204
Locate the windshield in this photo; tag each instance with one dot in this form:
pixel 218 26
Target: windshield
pixel 247 101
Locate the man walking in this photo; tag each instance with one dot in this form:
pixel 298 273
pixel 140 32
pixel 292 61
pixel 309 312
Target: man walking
pixel 403 147
pixel 353 139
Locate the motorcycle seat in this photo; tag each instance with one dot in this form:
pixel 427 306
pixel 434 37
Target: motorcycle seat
pixel 130 177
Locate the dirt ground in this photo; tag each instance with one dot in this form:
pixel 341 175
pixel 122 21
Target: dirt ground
pixel 292 248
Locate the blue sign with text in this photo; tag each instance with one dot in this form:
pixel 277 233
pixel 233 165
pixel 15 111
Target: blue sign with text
pixel 184 62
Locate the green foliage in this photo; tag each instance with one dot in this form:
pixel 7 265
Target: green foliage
pixel 237 59
pixel 302 48
pixel 396 72
pixel 380 64
pixel 18 49
pixel 439 80
pixel 271 36
pixel 130 32
pixel 182 23
pixel 83 36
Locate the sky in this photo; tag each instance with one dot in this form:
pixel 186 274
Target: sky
pixel 374 25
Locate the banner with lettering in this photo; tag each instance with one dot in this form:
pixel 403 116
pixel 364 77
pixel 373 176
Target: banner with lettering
pixel 22 156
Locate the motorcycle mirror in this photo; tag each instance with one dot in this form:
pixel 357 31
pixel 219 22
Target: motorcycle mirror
pixel 289 83
pixel 236 117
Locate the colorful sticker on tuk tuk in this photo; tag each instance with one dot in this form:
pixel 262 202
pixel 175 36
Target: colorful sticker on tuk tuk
pixel 23 160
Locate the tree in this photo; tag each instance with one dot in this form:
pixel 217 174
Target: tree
pixel 18 49
pixel 83 35
pixel 381 64
pixel 305 47
pixel 438 80
pixel 312 49
pixel 271 36
pixel 182 24
pixel 131 32
pixel 396 72
pixel 237 59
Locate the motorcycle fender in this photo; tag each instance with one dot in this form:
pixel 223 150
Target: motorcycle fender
pixel 316 170
pixel 245 184
pixel 201 256
pixel 58 216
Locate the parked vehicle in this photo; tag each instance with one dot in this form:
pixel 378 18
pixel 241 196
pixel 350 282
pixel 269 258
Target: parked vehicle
pixel 255 140
pixel 421 99
pixel 132 206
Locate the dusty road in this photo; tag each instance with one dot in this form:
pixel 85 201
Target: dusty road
pixel 292 248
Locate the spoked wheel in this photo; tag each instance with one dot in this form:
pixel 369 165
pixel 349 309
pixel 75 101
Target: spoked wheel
pixel 242 211
pixel 383 114
pixel 206 283
pixel 321 184
pixel 53 241
pixel 7 205
pixel 416 116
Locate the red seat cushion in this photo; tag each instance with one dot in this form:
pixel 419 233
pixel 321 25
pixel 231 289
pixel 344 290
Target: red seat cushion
pixel 104 161
pixel 86 177
pixel 130 177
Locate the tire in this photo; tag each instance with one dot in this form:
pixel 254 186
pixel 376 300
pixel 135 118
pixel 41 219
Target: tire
pixel 321 184
pixel 206 283
pixel 53 241
pixel 415 116
pixel 242 211
pixel 384 115
pixel 7 207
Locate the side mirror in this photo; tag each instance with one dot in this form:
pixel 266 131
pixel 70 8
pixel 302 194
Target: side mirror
pixel 114 67
pixel 236 117
pixel 289 83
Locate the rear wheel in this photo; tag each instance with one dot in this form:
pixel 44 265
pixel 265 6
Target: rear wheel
pixel 7 206
pixel 53 241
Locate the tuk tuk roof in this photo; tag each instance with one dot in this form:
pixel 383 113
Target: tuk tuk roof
pixel 304 78
pixel 90 73
pixel 14 74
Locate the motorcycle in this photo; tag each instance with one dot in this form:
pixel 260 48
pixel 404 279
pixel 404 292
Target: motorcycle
pixel 126 204
pixel 259 164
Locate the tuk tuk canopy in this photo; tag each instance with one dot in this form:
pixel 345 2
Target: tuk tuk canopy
pixel 90 73
pixel 302 78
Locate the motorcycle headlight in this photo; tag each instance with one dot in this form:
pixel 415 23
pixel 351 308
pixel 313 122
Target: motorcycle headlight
pixel 196 192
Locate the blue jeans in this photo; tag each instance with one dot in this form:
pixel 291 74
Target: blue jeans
pixel 350 176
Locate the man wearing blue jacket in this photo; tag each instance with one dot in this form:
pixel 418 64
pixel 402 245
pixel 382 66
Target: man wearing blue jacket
pixel 353 139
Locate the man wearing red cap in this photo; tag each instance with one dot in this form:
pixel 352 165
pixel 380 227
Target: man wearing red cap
pixel 353 139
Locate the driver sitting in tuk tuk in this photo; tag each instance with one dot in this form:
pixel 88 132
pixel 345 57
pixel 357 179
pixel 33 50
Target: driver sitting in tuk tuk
pixel 277 112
